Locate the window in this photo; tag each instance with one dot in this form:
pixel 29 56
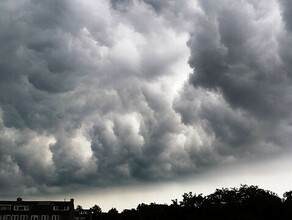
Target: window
pixel 6 217
pixel 5 207
pixel 55 217
pixel 34 217
pixel 0 217
pixel 21 208
pixel 45 217
pixel 83 212
pixel 14 217
pixel 61 208
pixel 23 217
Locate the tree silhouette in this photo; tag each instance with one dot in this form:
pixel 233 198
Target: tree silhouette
pixel 113 214
pixel 190 200
pixel 78 207
pixel 243 203
pixel 287 195
pixel 95 209
pixel 113 211
pixel 287 204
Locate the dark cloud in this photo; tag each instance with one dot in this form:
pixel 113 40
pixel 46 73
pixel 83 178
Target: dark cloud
pixel 238 55
pixel 123 4
pixel 78 110
pixel 89 90
pixel 233 53
pixel 286 7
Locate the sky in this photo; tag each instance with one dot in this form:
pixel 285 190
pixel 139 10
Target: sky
pixel 119 102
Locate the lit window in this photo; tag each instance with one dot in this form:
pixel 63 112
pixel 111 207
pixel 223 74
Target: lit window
pixel 5 207
pixel 60 208
pixel 83 212
pixel 21 208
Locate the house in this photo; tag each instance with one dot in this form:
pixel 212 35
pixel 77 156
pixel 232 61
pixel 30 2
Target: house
pixel 36 210
pixel 83 214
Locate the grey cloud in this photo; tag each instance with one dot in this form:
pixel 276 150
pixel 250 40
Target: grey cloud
pixel 79 108
pixel 234 54
pixel 137 151
pixel 178 15
pixel 86 90
pixel 238 56
pixel 24 160
pixel 120 4
pixel 157 6
pixel 123 4
pixel 286 6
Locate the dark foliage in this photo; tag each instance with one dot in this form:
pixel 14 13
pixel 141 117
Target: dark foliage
pixel 244 203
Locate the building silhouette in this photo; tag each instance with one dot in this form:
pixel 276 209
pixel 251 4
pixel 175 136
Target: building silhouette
pixel 83 214
pixel 37 210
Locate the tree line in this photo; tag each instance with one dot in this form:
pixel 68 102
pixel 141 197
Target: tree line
pixel 245 202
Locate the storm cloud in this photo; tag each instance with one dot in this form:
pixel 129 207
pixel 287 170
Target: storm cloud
pixel 105 93
pixel 239 52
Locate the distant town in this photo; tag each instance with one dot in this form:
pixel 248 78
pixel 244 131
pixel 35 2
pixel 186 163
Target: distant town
pixel 246 202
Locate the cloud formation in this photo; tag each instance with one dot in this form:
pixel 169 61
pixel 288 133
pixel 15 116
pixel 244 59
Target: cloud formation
pixel 238 51
pixel 98 93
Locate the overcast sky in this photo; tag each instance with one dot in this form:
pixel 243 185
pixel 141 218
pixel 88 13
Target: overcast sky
pixel 103 100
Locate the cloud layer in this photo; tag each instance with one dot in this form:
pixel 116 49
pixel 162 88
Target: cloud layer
pixel 98 93
pixel 239 51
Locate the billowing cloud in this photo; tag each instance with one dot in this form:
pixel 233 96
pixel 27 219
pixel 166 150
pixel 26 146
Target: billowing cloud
pixel 286 7
pixel 98 93
pixel 86 94
pixel 239 53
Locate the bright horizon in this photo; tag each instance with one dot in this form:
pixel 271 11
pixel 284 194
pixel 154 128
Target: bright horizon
pixel 128 197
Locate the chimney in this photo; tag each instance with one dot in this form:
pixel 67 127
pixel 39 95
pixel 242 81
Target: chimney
pixel 19 199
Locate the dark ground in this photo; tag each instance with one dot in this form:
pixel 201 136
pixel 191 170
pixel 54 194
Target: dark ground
pixel 246 202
